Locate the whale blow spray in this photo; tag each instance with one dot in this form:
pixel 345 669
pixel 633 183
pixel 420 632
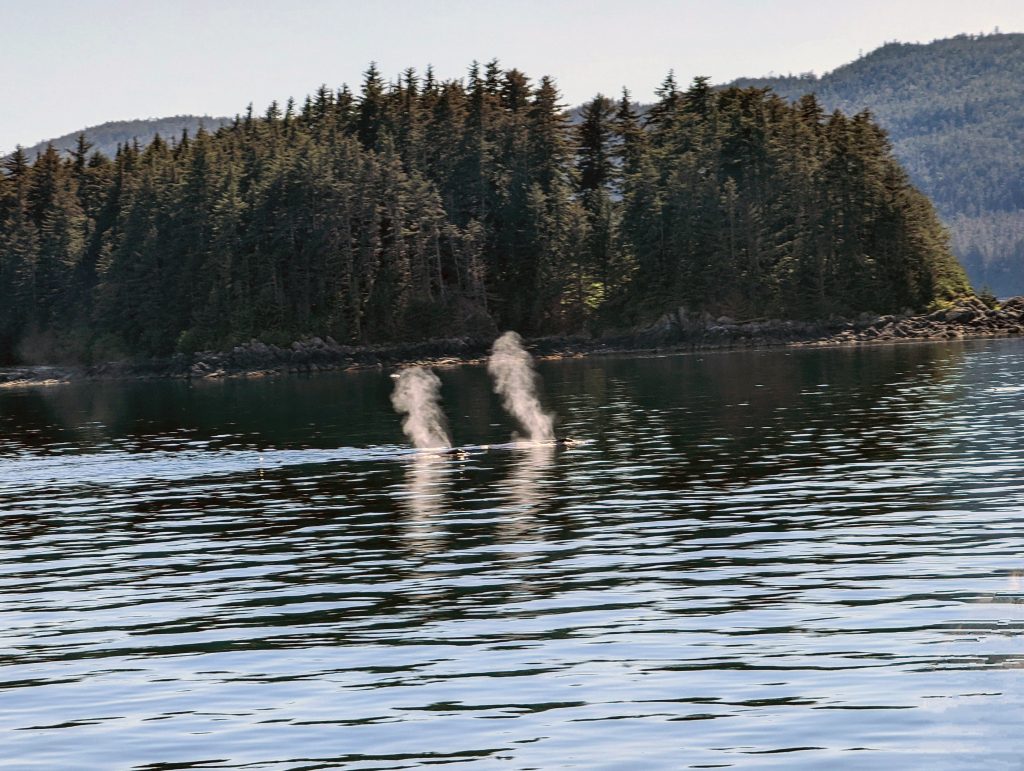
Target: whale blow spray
pixel 417 395
pixel 515 381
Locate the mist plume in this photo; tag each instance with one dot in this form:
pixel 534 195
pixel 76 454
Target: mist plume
pixel 515 381
pixel 417 395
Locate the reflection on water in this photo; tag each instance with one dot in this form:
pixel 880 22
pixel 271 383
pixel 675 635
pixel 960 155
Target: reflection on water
pixel 529 477
pixel 789 559
pixel 423 497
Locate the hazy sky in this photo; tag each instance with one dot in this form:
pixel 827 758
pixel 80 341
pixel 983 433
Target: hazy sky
pixel 67 65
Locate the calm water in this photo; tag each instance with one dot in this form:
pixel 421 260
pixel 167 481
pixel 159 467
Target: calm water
pixel 784 559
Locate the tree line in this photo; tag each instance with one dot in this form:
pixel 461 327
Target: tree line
pixel 424 208
pixel 955 112
pixel 107 137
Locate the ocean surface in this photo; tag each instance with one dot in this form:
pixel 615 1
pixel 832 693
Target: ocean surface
pixel 781 559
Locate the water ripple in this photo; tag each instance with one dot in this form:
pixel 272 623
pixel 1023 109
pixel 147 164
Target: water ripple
pixel 783 559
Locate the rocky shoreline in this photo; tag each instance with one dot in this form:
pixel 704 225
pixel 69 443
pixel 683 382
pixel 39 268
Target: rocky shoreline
pixel 673 332
pixel 967 319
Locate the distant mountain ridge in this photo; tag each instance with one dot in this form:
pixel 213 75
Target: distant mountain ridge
pixel 107 136
pixel 954 110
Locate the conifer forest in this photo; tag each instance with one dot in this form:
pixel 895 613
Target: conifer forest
pixel 419 209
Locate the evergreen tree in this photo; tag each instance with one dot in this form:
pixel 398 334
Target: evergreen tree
pixel 429 209
pixel 370 116
pixel 595 165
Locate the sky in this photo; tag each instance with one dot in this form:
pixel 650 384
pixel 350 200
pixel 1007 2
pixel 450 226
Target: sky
pixel 69 64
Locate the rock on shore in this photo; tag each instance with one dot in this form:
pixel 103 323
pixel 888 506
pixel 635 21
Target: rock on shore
pixel 968 318
pixel 316 354
pixel 676 331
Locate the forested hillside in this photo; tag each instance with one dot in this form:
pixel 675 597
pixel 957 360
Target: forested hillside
pixel 424 209
pixel 954 110
pixel 106 137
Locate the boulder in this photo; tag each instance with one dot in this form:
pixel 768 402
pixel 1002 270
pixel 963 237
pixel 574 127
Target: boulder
pixel 960 314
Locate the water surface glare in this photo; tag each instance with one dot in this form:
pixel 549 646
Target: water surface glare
pixel 766 559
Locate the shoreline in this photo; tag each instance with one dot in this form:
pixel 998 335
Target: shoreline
pixel 673 333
